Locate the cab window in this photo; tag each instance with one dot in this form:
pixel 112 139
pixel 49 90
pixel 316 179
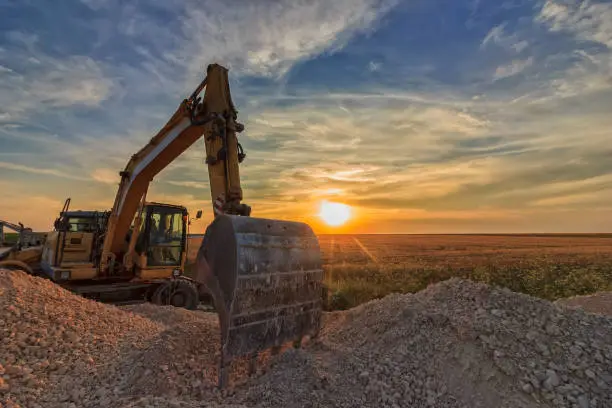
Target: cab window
pixel 165 237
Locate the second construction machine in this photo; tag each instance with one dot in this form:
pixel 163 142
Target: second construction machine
pixel 264 276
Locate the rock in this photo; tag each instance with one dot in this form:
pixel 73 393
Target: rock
pixel 4 386
pixel 552 328
pixel 583 401
pixel 552 380
pixel 527 388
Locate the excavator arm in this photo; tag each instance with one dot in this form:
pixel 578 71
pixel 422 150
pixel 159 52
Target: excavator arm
pixel 212 116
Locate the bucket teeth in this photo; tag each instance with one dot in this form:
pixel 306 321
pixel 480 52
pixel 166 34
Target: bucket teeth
pixel 269 275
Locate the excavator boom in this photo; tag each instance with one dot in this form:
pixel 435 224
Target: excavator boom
pixel 213 117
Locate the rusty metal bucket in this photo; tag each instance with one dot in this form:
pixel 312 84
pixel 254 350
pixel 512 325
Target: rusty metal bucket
pixel 266 279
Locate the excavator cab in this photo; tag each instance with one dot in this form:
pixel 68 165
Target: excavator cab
pixel 161 242
pixel 72 248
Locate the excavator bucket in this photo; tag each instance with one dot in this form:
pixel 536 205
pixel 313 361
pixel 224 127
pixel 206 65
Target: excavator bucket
pixel 265 277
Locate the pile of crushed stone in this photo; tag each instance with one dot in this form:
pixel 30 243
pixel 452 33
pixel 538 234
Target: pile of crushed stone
pixel 59 349
pixel 455 344
pixel 54 345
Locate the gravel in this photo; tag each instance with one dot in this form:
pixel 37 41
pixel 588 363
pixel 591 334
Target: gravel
pixel 455 344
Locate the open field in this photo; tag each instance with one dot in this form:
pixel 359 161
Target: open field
pixel 364 267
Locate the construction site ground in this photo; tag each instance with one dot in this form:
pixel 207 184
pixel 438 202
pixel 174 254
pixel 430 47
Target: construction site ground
pixel 454 344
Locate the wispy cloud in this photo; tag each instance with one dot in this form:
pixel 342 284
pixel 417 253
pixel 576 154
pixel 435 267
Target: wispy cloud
pixel 514 68
pixel 107 176
pixel 40 171
pixel 38 80
pixel 498 36
pixel 272 37
pixel 590 67
pixel 584 198
pixel 587 20
pixel 374 66
pixel 190 184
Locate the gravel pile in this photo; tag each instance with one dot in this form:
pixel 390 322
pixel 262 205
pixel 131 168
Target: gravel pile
pixel 54 346
pixel 455 344
pixel 58 349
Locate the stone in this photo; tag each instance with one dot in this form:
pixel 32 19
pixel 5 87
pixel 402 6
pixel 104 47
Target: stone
pixel 583 401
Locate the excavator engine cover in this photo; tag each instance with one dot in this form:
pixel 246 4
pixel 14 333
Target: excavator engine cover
pixel 266 281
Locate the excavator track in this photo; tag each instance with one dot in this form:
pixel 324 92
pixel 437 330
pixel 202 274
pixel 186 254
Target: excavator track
pixel 266 280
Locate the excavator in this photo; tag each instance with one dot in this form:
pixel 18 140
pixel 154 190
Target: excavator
pixel 263 276
pixel 23 250
pixel 26 236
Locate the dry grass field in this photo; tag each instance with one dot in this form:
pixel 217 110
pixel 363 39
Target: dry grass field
pixel 363 267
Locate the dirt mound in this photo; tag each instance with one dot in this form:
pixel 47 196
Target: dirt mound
pixel 455 344
pixel 600 303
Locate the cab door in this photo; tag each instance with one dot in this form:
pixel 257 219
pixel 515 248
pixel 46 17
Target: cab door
pixel 166 237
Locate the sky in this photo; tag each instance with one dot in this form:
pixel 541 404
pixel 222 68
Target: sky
pixel 424 116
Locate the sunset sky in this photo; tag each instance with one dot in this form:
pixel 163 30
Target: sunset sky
pixel 424 116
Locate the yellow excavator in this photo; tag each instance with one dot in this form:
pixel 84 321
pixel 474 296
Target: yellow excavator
pixel 263 276
pixel 23 250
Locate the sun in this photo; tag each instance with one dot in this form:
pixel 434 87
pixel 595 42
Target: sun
pixel 334 214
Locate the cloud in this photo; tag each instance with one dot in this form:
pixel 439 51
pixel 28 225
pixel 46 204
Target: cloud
pixel 374 66
pixel 39 171
pixel 273 36
pixel 51 82
pixel 570 199
pixel 498 36
pixel 190 184
pixel 588 66
pixel 76 81
pixel 587 20
pixel 494 35
pixel 514 68
pixel 106 176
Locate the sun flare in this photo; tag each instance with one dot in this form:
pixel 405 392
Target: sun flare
pixel 334 214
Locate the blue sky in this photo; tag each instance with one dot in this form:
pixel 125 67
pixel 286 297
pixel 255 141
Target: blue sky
pixel 424 116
